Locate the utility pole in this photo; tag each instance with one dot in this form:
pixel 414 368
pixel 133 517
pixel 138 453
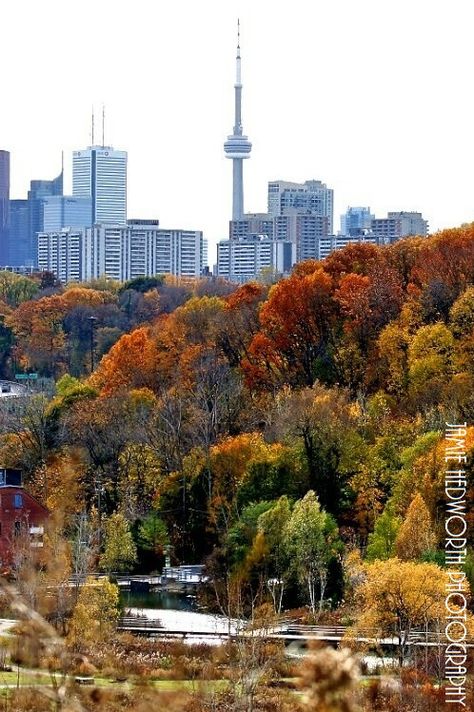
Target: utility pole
pixel 92 320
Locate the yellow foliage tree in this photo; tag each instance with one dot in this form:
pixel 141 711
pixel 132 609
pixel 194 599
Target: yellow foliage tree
pixel 95 613
pixel 397 596
pixel 415 535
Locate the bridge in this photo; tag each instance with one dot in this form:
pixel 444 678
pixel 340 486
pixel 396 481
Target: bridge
pixel 289 632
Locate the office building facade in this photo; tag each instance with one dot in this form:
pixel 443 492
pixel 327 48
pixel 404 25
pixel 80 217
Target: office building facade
pixel 122 252
pixel 4 204
pixel 100 174
pixel 356 221
pixel 60 211
pixel 19 242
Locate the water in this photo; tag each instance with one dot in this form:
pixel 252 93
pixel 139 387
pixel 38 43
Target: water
pixel 179 612
pixel 163 600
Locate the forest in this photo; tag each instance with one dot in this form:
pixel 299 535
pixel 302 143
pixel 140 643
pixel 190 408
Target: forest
pixel 288 434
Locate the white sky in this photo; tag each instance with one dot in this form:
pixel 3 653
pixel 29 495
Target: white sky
pixel 373 97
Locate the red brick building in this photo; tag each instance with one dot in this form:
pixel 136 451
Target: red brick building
pixel 20 514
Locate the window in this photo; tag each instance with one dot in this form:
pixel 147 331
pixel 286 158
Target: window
pixel 18 501
pixel 17 530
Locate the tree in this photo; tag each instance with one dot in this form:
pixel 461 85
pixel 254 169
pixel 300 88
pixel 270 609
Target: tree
pixel 152 534
pixel 397 596
pixel 120 551
pixel 381 543
pixel 295 330
pixel 273 524
pixel 415 536
pixel 312 541
pixel 95 613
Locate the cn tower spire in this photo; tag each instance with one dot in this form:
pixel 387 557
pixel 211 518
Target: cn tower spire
pixel 237 147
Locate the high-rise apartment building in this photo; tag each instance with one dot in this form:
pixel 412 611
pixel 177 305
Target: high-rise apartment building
pixel 311 197
pixel 4 204
pixel 100 173
pixel 397 225
pixel 251 224
pixel 122 252
pixel 303 230
pixel 244 259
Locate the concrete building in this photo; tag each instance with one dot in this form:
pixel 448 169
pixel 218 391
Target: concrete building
pixel 100 173
pixel 243 260
pixel 122 252
pixel 337 242
pixel 237 147
pixel 251 224
pixel 397 225
pixel 304 231
pixel 4 205
pixel 311 197
pixel 356 221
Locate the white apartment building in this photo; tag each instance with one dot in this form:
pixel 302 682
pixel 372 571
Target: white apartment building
pixel 122 252
pixel 244 259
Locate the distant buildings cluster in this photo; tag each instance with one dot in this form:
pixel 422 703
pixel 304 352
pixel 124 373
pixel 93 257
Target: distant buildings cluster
pixel 298 224
pixel 87 234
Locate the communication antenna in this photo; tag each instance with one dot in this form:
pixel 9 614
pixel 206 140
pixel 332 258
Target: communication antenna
pixel 92 127
pixel 103 125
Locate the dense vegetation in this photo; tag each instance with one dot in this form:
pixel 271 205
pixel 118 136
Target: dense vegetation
pixel 289 433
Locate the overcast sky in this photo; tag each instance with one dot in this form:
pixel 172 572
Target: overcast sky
pixel 373 97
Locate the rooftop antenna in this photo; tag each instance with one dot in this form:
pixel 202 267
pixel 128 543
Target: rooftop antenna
pixel 103 125
pixel 92 126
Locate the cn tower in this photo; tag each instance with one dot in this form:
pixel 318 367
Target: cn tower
pixel 237 147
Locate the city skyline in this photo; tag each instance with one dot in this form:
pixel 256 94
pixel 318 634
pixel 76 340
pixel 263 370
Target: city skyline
pixel 348 105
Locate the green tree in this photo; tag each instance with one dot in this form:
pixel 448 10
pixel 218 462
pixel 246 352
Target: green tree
pixel 120 551
pixel 152 534
pixel 381 543
pixel 273 524
pixel 312 541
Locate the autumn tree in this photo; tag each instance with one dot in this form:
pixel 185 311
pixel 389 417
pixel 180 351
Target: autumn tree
pixel 415 536
pixel 95 614
pixel 296 324
pixel 396 596
pixel 119 551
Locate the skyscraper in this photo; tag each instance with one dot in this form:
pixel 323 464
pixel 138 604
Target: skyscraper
pixel 4 204
pixel 25 252
pixel 237 147
pixel 100 173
